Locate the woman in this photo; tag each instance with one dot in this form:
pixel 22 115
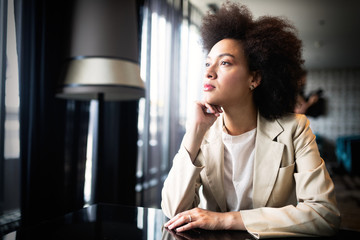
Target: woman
pixel 303 104
pixel 246 162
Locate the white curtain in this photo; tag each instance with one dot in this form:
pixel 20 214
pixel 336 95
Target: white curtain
pixel 172 63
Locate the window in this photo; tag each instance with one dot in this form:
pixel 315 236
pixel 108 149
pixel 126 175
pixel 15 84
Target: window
pixel 12 142
pixel 9 134
pixel 172 63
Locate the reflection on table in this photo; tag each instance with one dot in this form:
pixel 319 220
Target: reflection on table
pixel 199 234
pixel 100 221
pixel 104 221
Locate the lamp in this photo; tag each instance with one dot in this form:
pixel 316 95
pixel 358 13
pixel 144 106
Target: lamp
pixel 103 56
pixel 117 79
pixel 103 52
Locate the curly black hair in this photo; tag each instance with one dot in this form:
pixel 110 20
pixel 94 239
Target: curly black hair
pixel 272 49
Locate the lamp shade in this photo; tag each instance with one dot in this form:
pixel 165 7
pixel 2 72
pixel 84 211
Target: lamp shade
pixel 103 56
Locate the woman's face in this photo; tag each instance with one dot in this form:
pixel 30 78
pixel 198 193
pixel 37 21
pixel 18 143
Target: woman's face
pixel 227 78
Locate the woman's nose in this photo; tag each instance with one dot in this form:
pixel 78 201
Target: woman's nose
pixel 210 73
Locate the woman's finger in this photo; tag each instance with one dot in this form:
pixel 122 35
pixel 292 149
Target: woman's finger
pixel 210 107
pixel 186 227
pixel 181 220
pixel 219 109
pixel 213 109
pixel 172 220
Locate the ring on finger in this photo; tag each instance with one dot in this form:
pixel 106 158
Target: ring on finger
pixel 189 218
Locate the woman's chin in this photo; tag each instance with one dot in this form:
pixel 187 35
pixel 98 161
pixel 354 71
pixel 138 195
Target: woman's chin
pixel 210 100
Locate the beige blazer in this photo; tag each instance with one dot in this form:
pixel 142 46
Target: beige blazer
pixel 293 194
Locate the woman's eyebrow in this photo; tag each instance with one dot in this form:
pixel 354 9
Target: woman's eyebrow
pixel 223 55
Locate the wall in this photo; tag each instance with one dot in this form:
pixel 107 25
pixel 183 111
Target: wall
pixel 342 94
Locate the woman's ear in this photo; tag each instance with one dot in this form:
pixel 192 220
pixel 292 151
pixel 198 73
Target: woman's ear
pixel 256 79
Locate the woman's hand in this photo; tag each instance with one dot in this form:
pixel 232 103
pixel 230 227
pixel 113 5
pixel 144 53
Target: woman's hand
pixel 204 219
pixel 205 114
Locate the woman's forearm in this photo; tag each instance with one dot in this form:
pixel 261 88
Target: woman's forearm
pixel 202 121
pixel 193 139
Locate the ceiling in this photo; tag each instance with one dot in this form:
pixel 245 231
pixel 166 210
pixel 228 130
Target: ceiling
pixel 329 29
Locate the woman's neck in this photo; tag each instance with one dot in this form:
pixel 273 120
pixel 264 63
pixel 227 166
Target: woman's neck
pixel 239 120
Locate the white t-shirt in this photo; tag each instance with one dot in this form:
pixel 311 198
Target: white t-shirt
pixel 238 169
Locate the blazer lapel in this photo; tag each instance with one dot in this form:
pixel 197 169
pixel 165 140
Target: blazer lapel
pixel 268 155
pixel 214 156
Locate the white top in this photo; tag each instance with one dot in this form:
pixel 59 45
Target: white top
pixel 238 169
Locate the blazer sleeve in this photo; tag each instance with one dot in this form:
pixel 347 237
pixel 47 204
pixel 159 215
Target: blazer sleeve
pixel 316 213
pixel 181 187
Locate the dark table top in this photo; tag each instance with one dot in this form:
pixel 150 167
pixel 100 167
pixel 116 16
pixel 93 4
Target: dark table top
pixel 105 221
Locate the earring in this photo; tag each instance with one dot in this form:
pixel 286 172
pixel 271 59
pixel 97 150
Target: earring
pixel 252 87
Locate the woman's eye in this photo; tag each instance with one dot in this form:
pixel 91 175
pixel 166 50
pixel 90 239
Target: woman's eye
pixel 224 63
pixel 207 64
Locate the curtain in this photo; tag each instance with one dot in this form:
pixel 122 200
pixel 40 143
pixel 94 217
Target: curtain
pixel 171 65
pixel 53 131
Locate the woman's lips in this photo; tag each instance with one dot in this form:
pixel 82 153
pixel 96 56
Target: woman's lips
pixel 208 87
